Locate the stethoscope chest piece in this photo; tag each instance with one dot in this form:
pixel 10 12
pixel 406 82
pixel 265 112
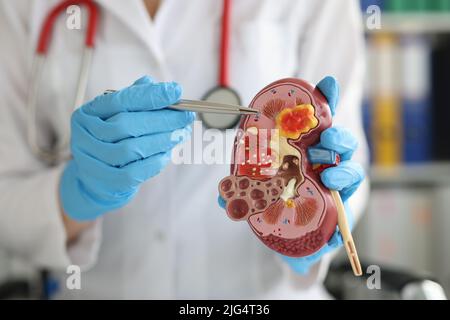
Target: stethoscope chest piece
pixel 221 94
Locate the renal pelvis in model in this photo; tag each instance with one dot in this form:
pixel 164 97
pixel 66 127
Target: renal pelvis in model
pixel 272 185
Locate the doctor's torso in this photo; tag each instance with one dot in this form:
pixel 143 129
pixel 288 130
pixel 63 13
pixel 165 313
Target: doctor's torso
pixel 173 240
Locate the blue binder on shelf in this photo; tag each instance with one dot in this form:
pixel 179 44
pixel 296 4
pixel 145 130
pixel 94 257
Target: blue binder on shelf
pixel 416 99
pixel 367 123
pixel 367 3
pixel 367 103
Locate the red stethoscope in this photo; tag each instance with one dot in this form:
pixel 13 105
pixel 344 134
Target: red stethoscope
pixel 221 93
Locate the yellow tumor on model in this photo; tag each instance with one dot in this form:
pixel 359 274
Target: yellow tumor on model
pixel 293 122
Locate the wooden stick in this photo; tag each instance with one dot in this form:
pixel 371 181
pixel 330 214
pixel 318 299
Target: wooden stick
pixel 346 234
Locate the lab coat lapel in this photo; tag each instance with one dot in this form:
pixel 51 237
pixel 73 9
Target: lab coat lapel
pixel 133 15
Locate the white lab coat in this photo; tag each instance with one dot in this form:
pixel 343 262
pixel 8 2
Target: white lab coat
pixel 172 240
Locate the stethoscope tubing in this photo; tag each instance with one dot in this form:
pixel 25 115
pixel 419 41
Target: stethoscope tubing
pixel 54 155
pixel 224 68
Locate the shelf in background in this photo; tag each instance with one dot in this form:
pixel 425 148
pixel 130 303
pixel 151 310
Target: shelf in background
pixel 431 174
pixel 425 22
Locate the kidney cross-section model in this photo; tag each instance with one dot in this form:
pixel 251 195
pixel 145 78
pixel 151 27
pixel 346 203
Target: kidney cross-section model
pixel 273 185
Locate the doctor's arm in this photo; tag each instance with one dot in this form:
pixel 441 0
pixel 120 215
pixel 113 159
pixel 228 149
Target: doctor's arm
pixel 73 227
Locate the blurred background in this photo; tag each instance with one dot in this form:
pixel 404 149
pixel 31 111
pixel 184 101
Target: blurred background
pixel 406 228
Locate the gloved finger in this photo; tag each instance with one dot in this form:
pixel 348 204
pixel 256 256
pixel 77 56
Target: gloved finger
pixel 112 183
pixel 141 171
pixel 345 178
pixel 133 124
pixel 144 97
pixel 135 149
pixel 128 150
pixel 80 203
pixel 340 140
pixel 330 89
pixel 144 80
pixel 300 266
pixel 336 240
pixel 222 202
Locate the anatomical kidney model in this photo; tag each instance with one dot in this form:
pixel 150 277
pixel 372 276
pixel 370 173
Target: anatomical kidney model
pixel 273 185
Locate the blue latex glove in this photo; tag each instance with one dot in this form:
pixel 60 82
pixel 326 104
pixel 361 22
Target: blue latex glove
pixel 345 178
pixel 120 140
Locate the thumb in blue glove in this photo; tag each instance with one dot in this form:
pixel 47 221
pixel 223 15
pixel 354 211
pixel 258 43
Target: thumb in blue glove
pixel 118 141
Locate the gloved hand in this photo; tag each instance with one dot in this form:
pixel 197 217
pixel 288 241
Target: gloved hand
pixel 120 140
pixel 345 178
